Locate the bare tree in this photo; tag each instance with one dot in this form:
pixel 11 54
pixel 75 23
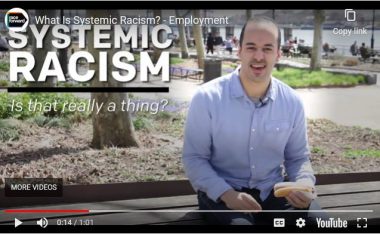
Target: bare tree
pixel 62 53
pixel 41 53
pixel 316 53
pixel 157 51
pixel 248 14
pixel 182 37
pixel 110 128
pixel 197 31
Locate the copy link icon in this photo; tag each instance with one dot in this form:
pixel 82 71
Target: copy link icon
pixel 300 222
pixel 350 15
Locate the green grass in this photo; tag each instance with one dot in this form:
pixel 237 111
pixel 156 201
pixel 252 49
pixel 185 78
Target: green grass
pixel 142 122
pixel 4 66
pixel 297 78
pixel 317 150
pixel 362 153
pixel 6 101
pixel 176 61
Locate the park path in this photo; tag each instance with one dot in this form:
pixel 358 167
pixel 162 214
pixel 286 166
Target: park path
pixel 354 106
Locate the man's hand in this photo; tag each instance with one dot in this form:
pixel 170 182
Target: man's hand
pixel 299 199
pixel 240 201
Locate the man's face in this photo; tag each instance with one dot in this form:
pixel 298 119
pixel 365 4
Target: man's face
pixel 259 51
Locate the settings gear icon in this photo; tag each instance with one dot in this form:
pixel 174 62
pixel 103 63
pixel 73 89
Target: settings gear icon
pixel 300 223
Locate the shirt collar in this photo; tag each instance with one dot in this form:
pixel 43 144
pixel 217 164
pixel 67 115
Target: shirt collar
pixel 237 90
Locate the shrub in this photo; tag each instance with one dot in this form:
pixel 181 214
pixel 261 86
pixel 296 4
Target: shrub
pixel 4 83
pixel 8 131
pixel 335 63
pixel 40 120
pixel 58 122
pixel 350 62
pixel 43 121
pixel 142 123
pixel 163 115
pixel 305 78
pixel 4 66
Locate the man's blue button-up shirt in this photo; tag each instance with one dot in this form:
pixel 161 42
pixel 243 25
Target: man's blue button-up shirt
pixel 232 143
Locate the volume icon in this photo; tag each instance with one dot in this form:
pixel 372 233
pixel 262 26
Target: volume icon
pixel 43 222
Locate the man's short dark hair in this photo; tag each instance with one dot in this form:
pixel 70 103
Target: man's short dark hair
pixel 261 19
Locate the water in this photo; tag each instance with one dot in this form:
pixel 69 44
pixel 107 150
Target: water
pixel 342 43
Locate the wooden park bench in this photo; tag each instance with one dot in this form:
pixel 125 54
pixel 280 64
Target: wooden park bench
pixel 185 72
pixel 352 191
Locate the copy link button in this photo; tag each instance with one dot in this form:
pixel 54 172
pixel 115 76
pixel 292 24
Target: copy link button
pixel 33 187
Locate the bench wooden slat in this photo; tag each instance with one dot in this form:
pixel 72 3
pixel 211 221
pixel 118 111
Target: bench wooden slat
pixel 347 200
pixel 329 189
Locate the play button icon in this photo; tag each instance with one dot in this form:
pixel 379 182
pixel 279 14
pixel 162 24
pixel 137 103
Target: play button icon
pixel 17 222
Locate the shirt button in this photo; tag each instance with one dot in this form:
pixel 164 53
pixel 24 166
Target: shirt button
pixel 253 130
pixel 278 129
pixel 251 148
pixel 253 167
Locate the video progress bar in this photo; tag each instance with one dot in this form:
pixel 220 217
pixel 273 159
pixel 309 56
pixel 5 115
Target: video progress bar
pixel 182 211
pixel 39 211
pixel 229 211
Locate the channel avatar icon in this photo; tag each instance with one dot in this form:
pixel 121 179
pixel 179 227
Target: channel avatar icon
pixel 16 19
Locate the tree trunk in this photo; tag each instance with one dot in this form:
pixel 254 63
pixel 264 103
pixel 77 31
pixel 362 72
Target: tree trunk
pixel 62 54
pixel 197 31
pixel 316 54
pixel 248 14
pixel 112 128
pixel 157 51
pixel 40 54
pixel 182 38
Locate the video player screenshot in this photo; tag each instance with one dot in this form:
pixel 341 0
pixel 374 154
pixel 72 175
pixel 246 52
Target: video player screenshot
pixel 189 116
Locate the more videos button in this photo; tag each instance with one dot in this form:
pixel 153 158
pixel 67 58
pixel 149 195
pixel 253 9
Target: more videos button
pixel 33 187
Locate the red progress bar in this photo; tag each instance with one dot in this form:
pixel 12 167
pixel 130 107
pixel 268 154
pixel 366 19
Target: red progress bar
pixel 46 211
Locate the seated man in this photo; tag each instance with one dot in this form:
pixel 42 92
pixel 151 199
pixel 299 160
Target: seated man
pixel 242 130
pixel 326 48
pixel 364 52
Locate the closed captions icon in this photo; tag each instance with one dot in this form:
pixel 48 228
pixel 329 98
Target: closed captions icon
pixel 279 222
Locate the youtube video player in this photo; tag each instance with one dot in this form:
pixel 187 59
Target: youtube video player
pixel 189 116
